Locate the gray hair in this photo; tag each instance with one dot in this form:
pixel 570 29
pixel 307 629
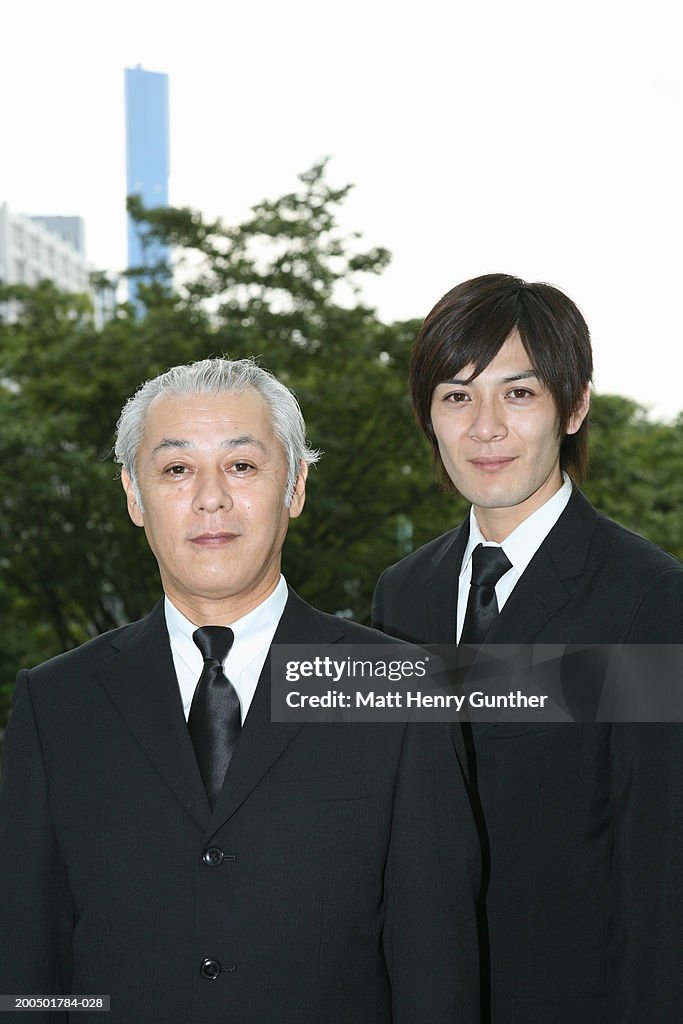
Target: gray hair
pixel 217 377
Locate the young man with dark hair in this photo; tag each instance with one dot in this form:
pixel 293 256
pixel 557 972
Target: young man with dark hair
pixel 584 900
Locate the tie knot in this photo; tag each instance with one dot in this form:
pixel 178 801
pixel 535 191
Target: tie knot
pixel 214 642
pixel 488 565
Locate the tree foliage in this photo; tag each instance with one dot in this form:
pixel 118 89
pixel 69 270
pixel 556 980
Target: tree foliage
pixel 281 286
pixel 636 470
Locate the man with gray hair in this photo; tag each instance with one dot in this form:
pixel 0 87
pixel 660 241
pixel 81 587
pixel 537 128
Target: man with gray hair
pixel 163 842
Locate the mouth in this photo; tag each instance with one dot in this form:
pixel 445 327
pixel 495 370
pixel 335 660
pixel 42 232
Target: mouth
pixel 492 463
pixel 214 540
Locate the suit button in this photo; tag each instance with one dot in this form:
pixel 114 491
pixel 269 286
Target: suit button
pixel 210 969
pixel 213 856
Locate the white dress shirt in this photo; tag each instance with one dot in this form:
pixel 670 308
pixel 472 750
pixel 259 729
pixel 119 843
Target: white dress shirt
pixel 253 636
pixel 520 547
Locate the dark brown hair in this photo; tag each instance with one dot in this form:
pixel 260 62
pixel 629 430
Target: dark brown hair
pixel 468 327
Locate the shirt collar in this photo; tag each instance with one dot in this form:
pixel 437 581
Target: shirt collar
pixel 252 632
pixel 525 540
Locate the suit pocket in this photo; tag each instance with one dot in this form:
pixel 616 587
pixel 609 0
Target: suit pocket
pixel 333 808
pixel 331 833
pixel 305 790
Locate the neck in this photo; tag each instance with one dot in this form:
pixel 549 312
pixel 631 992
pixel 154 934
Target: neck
pixel 223 611
pixel 495 526
pixel 498 523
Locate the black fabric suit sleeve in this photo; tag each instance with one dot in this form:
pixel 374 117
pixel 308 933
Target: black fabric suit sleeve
pixel 647 793
pixel 431 884
pixel 36 916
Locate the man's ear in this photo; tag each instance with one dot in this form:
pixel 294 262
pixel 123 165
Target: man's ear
pixel 299 494
pixel 134 510
pixel 580 413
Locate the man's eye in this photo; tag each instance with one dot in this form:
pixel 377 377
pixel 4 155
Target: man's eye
pixel 520 393
pixel 457 397
pixel 176 470
pixel 241 467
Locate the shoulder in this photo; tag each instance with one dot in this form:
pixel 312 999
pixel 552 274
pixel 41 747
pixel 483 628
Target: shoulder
pixel 647 577
pixel 71 664
pixel 302 623
pixel 617 542
pixel 354 633
pixel 585 539
pixel 635 585
pixel 421 561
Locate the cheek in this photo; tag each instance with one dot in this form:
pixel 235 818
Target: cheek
pixel 156 535
pixel 262 514
pixel 446 429
pixel 538 431
pixel 163 526
pixel 544 449
pixel 446 448
pixel 449 441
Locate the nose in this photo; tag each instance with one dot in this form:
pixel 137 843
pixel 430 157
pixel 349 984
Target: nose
pixel 487 422
pixel 212 491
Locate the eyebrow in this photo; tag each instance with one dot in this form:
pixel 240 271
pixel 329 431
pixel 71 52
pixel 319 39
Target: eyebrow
pixel 524 375
pixel 243 441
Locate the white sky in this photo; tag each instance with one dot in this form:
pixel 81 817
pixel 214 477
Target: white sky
pixel 531 137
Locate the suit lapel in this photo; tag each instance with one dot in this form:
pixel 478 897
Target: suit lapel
pixel 541 591
pixel 263 741
pixel 538 595
pixel 141 681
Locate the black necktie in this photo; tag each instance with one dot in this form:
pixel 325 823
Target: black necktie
pixel 488 565
pixel 214 720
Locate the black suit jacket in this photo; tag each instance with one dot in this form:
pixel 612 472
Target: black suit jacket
pixel 343 870
pixel 582 822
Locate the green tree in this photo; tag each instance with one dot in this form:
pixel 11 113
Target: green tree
pixel 636 470
pixel 281 287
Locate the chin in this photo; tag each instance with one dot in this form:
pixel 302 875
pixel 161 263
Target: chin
pixel 214 587
pixel 490 497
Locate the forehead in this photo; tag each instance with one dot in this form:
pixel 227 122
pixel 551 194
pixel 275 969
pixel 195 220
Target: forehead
pixel 511 357
pixel 205 417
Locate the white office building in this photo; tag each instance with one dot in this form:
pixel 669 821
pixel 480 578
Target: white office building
pixel 33 248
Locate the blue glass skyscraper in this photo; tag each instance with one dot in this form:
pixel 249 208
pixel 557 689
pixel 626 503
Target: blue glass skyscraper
pixel 147 161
